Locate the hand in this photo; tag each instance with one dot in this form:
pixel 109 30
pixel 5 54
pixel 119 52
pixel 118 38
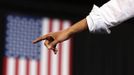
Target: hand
pixel 52 39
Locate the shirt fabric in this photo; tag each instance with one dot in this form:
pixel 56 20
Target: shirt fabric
pixel 109 15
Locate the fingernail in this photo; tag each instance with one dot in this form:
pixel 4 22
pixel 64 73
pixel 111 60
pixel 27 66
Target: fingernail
pixel 33 42
pixel 55 52
pixel 49 47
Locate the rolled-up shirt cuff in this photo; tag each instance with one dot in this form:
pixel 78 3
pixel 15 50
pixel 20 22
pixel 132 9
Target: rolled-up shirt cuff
pixel 95 21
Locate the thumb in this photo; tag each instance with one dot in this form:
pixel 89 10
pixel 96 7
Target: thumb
pixel 52 45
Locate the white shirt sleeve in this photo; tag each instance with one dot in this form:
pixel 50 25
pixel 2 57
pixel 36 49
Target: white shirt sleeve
pixel 110 14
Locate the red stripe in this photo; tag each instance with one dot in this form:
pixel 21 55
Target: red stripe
pixel 4 66
pixel 38 67
pixel 60 52
pixel 70 56
pixel 60 58
pixel 27 66
pixel 49 52
pixel 17 66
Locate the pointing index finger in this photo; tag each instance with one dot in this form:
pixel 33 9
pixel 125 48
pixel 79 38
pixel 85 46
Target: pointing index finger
pixel 39 39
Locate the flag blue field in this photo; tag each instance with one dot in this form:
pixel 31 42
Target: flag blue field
pixel 20 32
pixel 24 58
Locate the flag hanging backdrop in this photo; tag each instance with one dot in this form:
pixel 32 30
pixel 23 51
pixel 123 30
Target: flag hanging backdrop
pixel 24 58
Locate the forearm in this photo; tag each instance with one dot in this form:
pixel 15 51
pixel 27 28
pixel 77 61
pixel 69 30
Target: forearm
pixel 78 27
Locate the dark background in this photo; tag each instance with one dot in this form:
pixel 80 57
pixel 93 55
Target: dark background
pixel 93 54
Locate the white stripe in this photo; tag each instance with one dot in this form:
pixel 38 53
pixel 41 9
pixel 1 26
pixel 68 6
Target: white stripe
pixel 44 51
pixel 65 58
pixel 22 66
pixel 33 67
pixel 11 66
pixel 65 53
pixel 54 58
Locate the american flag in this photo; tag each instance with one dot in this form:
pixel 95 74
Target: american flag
pixel 24 58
